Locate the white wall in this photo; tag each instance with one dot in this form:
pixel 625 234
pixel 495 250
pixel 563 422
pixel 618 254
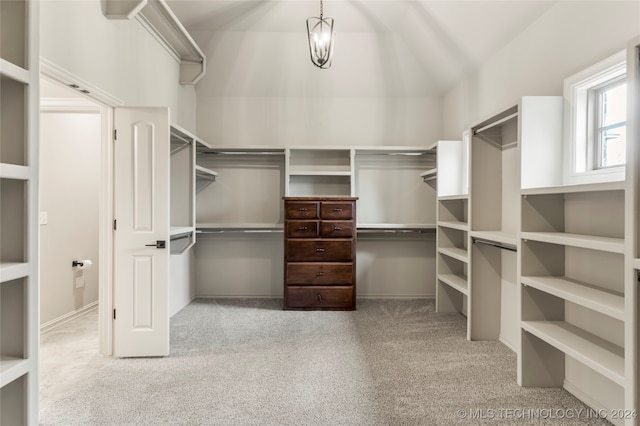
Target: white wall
pixel 70 144
pixel 570 36
pixel 262 89
pixel 121 58
pixel 117 56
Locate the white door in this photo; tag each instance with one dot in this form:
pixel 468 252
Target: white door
pixel 141 236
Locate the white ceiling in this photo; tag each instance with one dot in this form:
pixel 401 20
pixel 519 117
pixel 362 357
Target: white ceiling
pixel 433 43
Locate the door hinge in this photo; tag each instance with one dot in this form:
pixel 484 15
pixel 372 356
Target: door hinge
pixel 115 224
pixel 114 314
pixel 115 134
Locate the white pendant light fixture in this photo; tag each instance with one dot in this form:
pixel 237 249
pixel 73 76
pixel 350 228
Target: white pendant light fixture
pixel 321 35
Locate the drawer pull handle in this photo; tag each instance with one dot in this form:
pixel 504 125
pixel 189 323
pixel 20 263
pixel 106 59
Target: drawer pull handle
pixel 337 210
pixel 320 250
pixel 337 228
pixel 303 209
pixel 319 298
pixel 303 228
pixel 319 274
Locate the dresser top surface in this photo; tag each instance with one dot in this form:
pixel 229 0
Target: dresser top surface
pixel 319 198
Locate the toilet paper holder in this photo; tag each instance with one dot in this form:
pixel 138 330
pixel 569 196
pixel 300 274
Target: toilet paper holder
pixel 81 263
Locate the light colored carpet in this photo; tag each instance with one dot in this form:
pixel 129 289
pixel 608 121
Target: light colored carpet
pixel 247 362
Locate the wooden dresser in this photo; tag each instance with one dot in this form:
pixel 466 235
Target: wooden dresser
pixel 320 253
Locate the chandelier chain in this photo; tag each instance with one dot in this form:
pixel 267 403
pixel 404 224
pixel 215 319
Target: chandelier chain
pixel 321 10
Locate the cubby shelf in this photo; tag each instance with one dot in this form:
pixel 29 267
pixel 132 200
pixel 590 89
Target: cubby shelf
pixel 460 226
pixel 11 368
pixel 455 253
pixel 594 298
pixel 458 282
pixel 13 171
pixel 462 197
pixel 570 189
pixel 205 174
pixel 14 72
pixel 596 353
pixel 13 270
pixel 612 245
pixel 319 173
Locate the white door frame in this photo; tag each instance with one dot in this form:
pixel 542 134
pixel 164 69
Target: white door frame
pixel 105 220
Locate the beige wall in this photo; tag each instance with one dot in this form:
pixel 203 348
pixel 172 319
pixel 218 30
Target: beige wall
pixel 569 37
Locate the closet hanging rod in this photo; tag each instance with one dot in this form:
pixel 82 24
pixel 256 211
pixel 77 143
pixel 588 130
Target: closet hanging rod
pixel 495 123
pixel 239 231
pixel 395 231
pixel 495 244
pixel 180 237
pixel 242 152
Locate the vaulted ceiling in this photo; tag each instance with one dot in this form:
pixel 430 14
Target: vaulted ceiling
pixel 383 48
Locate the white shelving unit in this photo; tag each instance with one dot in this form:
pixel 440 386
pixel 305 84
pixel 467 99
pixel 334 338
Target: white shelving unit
pixel 452 280
pixel 573 295
pixel 19 310
pixel 494 220
pixel 248 190
pixel 183 174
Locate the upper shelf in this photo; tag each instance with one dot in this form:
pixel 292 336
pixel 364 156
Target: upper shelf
pixel 163 24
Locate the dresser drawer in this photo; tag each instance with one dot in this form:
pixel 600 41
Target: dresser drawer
pixel 300 273
pixel 320 297
pixel 302 210
pixel 302 228
pixel 319 250
pixel 337 229
pixel 336 210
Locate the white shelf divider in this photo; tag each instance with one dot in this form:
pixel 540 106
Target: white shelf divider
pixel 455 253
pixel 607 303
pixel 457 282
pixel 10 271
pixel 612 245
pixel 594 352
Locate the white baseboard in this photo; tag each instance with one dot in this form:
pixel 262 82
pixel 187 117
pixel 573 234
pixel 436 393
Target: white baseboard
pixel 588 400
pixel 57 322
pixel 507 343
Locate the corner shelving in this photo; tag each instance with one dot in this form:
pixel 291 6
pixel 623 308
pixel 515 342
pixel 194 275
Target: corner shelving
pixel 19 282
pixel 573 294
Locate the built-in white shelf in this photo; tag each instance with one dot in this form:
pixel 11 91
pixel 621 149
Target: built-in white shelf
pixel 458 282
pixel 320 173
pixel 636 263
pixel 570 189
pixel 7 69
pixel 509 238
pixel 454 197
pixel 221 228
pixel 597 299
pixel 11 368
pixel 396 226
pixel 461 226
pixel 612 245
pixel 205 174
pixel 596 353
pixel 430 174
pixel 12 171
pixel 10 271
pixel 455 253
pixel 180 230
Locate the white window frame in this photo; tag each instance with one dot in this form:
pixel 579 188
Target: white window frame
pixel 580 164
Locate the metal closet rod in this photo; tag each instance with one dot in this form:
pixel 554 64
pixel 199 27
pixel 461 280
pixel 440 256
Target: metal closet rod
pixel 495 244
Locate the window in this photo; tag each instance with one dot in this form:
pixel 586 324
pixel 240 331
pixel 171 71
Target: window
pixel 595 122
pixel 610 125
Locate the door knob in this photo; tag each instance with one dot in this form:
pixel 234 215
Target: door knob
pixel 158 244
